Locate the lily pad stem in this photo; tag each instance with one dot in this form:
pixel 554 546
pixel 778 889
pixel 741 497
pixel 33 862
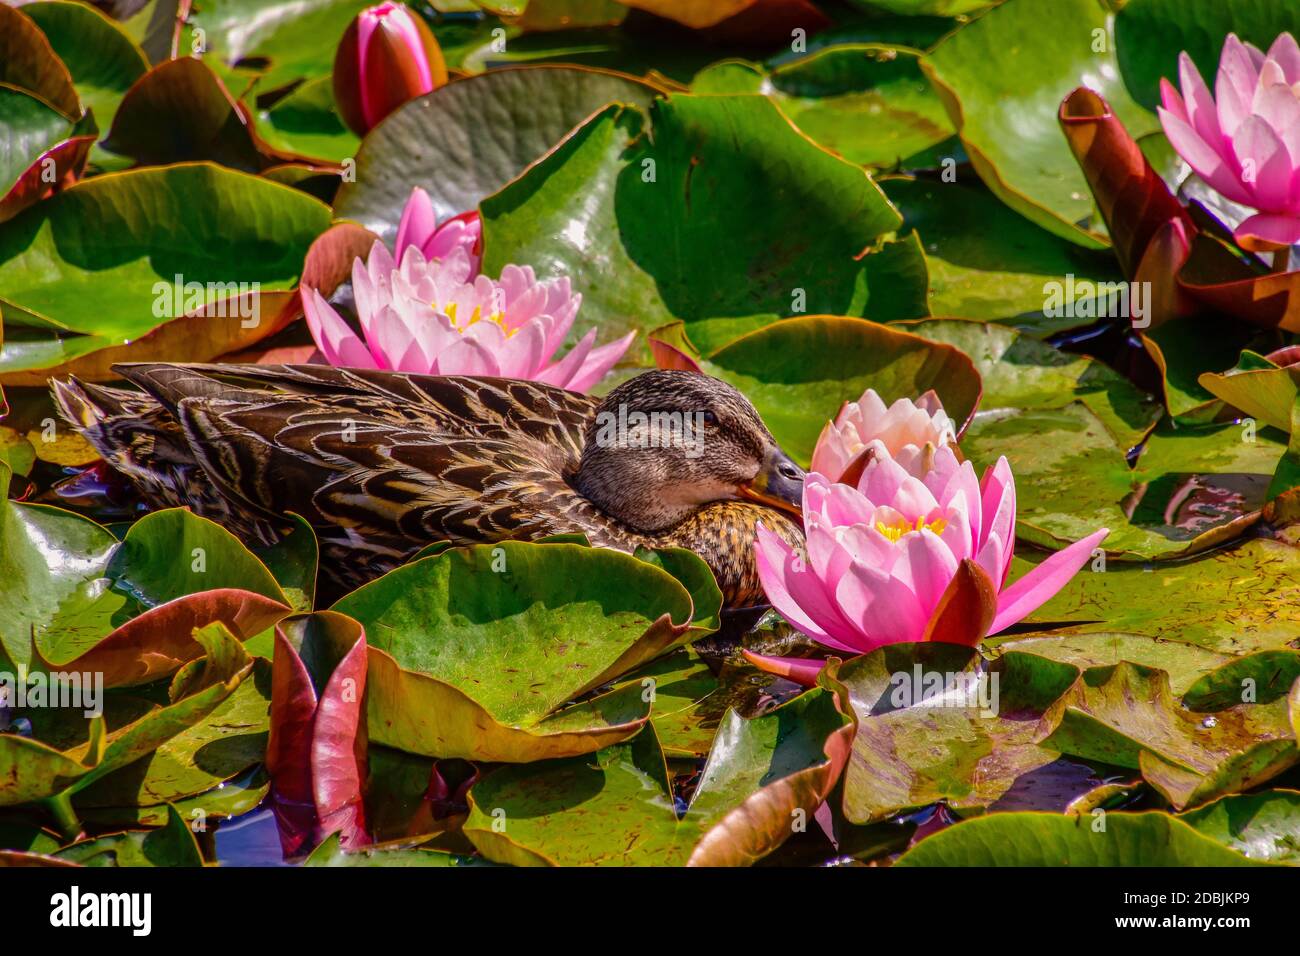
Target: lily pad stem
pixel 60 807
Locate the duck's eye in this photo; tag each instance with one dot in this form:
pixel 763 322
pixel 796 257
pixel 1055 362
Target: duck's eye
pixel 709 418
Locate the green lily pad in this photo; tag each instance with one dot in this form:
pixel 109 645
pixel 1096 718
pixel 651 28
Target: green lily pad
pixel 1267 394
pixel 476 652
pixel 680 686
pixel 293 561
pixel 101 57
pixel 967 745
pixel 307 122
pixel 1002 78
pixel 269 37
pixel 171 845
pixel 798 372
pixel 763 780
pixel 1260 826
pixel 1232 601
pixel 987 262
pixel 869 103
pixel 121 241
pixel 653 218
pixel 28 62
pixel 932 8
pixel 1193 488
pixel 330 853
pixel 1261 677
pixel 164 556
pixel 1045 839
pixel 440 142
pixel 231 798
pixel 199 759
pixel 1186 664
pixel 39 588
pixel 1151 33
pixel 43 772
pixel 1023 374
pixel 1127 715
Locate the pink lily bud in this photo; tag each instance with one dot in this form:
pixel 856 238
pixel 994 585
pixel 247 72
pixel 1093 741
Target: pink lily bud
pixel 387 56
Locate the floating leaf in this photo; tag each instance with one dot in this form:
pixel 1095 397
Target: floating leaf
pixel 121 240
pixel 1126 715
pixel 869 103
pixel 437 141
pixel 933 725
pixel 1260 826
pixel 1008 125
pixel 652 216
pixel 99 55
pixel 171 845
pixel 1232 601
pixel 1150 34
pixel 44 772
pixel 615 807
pixel 798 372
pixel 477 652
pixel 987 262
pixel 1045 839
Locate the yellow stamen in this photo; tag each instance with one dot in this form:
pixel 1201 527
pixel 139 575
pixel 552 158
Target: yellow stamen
pixel 895 531
pixel 498 317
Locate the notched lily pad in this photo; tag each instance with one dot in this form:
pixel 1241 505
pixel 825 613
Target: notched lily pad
pixel 1127 715
pixel 764 778
pixel 480 652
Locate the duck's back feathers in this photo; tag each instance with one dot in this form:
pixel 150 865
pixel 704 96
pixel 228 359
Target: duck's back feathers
pixel 376 461
pixel 379 463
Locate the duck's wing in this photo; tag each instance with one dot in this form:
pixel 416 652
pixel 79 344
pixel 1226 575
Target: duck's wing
pixel 380 460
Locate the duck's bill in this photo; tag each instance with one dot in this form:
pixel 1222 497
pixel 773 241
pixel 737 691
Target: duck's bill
pixel 779 484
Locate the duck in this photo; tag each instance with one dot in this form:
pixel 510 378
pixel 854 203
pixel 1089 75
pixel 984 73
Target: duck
pixel 382 464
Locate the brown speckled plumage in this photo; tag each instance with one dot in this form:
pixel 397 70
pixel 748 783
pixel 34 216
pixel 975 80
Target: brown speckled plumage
pixel 382 464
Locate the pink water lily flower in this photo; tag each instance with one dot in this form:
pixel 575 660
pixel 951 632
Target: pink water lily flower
pixel 1245 139
pixel 901 430
pixel 429 311
pixel 901 559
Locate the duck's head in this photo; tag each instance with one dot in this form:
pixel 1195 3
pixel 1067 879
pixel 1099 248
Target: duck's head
pixel 666 443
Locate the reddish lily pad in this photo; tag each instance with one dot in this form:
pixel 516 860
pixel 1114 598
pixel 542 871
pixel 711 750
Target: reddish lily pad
pixel 316 755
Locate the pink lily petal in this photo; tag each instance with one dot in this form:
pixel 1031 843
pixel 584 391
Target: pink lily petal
pixel 1038 585
pixel 1205 160
pixel 1270 230
pixel 418 222
pixel 562 371
pixel 339 344
pixel 1265 164
pixel 784 576
pixel 1286 53
pixel 800 670
pixel 598 362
